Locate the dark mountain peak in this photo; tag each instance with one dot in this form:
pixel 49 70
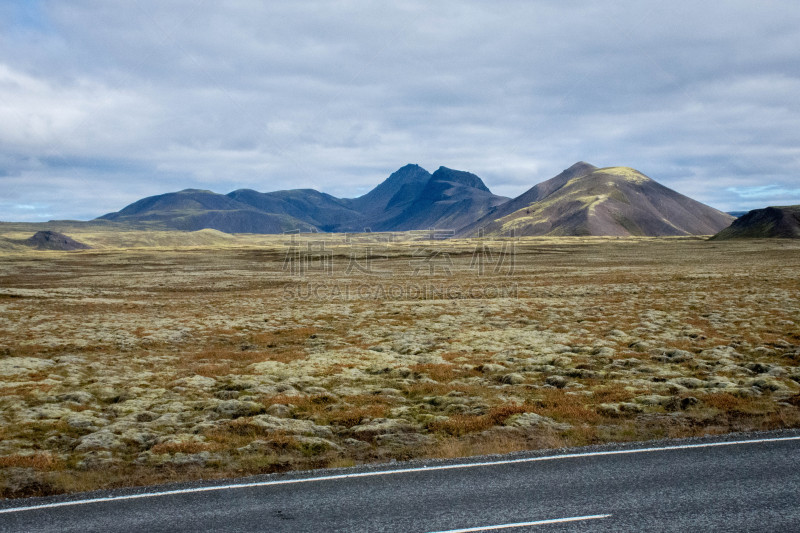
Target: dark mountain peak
pixel 408 173
pixel 460 177
pixel 410 178
pixel 410 167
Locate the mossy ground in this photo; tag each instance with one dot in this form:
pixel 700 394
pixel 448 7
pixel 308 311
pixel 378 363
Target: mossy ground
pixel 134 366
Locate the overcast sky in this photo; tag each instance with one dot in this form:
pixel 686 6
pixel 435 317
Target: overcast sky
pixel 102 103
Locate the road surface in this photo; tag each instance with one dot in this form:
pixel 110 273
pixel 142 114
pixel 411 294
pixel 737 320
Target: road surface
pixel 734 483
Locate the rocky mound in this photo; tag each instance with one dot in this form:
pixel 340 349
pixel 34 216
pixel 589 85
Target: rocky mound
pixel 52 240
pixel 771 222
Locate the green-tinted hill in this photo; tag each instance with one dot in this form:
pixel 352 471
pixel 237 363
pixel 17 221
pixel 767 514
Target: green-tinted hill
pixel 771 222
pixel 194 209
pixel 615 201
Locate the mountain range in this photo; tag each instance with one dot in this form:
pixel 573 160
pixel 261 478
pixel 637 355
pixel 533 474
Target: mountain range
pixel 581 200
pixel 411 198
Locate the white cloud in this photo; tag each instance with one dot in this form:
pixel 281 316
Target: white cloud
pixel 139 98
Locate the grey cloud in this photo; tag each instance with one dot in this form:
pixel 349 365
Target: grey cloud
pixel 139 98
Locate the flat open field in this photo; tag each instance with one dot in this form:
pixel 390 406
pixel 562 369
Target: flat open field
pixel 262 354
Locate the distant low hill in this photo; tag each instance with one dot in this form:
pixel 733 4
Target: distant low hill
pixel 409 199
pixel 612 201
pixel 771 222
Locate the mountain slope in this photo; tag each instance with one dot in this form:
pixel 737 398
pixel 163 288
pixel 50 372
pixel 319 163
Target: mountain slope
pixel 619 201
pixel 323 211
pixel 534 194
pixel 771 222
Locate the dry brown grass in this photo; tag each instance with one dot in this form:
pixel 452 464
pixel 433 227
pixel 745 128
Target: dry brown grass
pixel 355 409
pixel 451 448
pixel 726 402
pixel 182 447
pixel 229 353
pixel 39 461
pixel 348 411
pixel 560 405
pixel 443 373
pixel 602 393
pixel 241 432
pixel 459 425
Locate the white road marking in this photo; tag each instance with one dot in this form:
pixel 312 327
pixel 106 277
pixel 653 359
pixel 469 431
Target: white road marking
pixel 524 524
pixel 213 488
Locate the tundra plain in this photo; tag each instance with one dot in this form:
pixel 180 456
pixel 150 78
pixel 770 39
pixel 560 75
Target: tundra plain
pixel 162 356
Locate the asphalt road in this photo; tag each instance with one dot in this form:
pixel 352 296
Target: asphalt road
pixel 738 483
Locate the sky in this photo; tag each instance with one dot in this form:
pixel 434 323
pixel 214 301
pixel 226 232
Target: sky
pixel 103 103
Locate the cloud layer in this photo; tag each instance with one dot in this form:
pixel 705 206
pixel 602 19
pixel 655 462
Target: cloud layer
pixel 104 103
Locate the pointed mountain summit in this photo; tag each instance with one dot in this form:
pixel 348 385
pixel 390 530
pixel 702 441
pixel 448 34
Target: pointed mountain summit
pixel 402 186
pixel 450 200
pixel 771 222
pixel 618 201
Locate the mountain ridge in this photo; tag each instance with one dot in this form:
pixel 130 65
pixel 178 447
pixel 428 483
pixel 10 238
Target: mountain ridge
pixel 410 198
pixel 581 200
